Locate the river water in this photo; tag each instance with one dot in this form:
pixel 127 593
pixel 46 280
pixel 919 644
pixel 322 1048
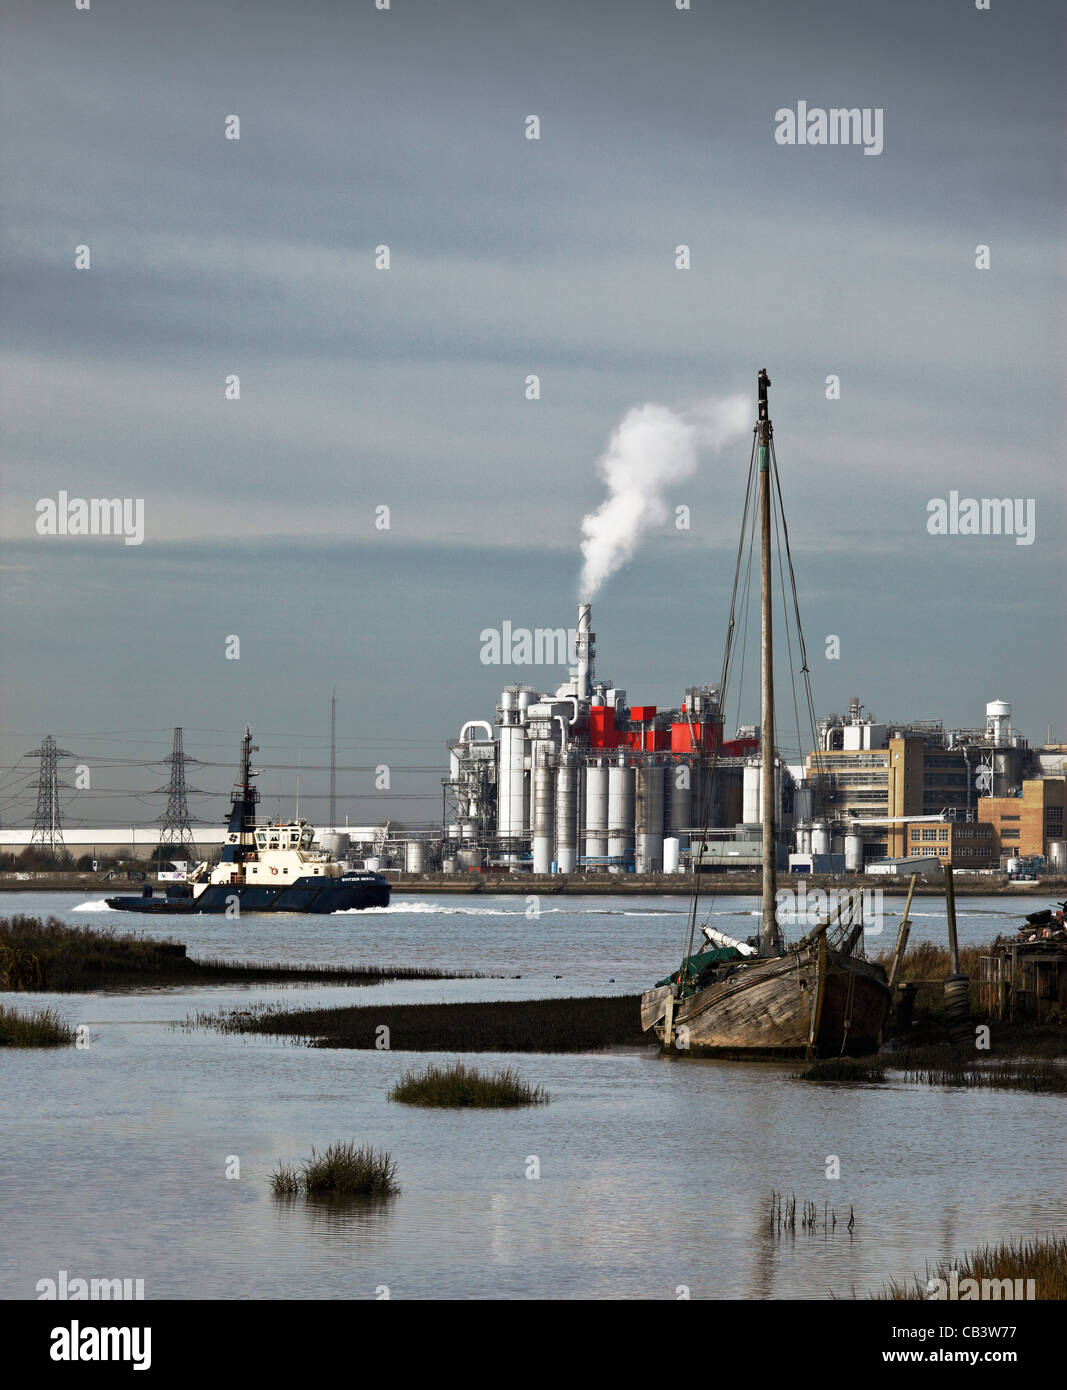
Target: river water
pixel 653 1176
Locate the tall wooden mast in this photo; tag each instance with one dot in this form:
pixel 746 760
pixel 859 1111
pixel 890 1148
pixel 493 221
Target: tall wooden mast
pixel 770 939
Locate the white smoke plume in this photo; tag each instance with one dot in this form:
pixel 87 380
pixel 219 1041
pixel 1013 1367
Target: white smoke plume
pixel 652 448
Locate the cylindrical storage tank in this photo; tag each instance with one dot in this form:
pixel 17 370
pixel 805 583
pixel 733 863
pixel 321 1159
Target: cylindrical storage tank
pixel 469 829
pixel 804 840
pixel 648 819
pixel 820 838
pixel 511 788
pixel 336 845
pixel 853 853
pixel 1057 856
pixel 567 818
pixel 1013 866
pixel 681 791
pixel 750 797
pixel 596 811
pixel 802 802
pixel 448 866
pixel 671 855
pixel 468 859
pixel 414 856
pixel 620 812
pixel 542 818
pixel 373 864
pixel 837 842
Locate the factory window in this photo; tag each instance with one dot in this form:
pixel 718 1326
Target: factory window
pixel 929 834
pixel 1009 818
pixel 942 834
pixel 1009 834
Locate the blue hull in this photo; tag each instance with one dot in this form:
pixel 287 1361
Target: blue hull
pixel 310 894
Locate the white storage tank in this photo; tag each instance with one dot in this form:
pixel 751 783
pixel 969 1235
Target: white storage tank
pixel 671 855
pixel 415 856
pixel 620 811
pixel 543 818
pixel 1057 856
pixel 820 838
pixel 596 811
pixel 853 852
pixel 750 794
pixel 566 817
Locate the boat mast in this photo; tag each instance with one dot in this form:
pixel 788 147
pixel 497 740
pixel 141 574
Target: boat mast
pixel 770 939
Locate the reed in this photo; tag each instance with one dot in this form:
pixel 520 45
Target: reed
pixel 1043 1259
pixel 36 955
pixel 783 1216
pixel 38 1028
pixel 856 1069
pixel 457 1084
pixel 581 1024
pixel 341 1170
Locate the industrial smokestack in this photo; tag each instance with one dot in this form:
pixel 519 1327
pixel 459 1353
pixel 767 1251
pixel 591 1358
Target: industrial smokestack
pixel 586 650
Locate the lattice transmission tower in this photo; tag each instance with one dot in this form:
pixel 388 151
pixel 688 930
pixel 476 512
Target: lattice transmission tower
pixel 47 825
pixel 176 828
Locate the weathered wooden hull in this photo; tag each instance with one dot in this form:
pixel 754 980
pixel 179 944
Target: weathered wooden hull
pixel 803 1003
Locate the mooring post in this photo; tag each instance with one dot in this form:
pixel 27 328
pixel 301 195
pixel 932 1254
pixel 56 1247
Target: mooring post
pixel 902 938
pixel 957 1002
pixel 950 907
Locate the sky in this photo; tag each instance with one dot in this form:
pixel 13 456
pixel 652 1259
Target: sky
pixel 406 388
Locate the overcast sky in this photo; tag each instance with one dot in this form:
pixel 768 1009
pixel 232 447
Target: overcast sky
pixel 404 388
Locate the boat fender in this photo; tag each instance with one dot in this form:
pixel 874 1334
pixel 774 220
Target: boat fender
pixel 273 869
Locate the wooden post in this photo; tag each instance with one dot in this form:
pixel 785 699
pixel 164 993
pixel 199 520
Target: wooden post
pixel 950 907
pixel 902 937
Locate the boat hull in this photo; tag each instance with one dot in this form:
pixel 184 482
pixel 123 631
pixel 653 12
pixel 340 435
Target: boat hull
pixel 309 895
pixel 801 1004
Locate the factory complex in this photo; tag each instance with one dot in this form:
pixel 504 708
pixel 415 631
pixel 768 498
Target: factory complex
pixel 581 781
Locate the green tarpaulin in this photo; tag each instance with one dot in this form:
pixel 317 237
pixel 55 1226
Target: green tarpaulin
pixel 718 955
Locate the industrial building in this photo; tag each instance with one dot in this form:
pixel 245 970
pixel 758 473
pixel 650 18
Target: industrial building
pixel 884 791
pixel 580 779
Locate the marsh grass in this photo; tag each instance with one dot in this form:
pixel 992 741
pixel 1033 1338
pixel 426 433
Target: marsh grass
pixel 38 1028
pixel 1043 1259
pixel 50 955
pixel 580 1024
pixel 945 1065
pixel 866 1069
pixel 457 1084
pixel 341 1170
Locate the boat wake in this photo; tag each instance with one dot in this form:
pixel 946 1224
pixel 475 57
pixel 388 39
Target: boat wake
pixel 98 906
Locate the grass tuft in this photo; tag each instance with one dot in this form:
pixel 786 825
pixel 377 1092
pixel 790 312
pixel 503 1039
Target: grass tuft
pixel 1044 1260
pixel 457 1084
pixel 341 1170
pixel 39 1028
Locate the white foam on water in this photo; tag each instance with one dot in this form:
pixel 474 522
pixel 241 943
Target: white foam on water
pixel 99 906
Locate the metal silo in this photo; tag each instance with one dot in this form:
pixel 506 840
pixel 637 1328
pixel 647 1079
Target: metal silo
pixel 681 803
pixel 596 811
pixel 620 811
pixel 648 819
pixel 566 817
pixel 543 816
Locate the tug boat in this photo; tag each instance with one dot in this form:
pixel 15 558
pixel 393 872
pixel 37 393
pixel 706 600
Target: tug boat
pixel 264 868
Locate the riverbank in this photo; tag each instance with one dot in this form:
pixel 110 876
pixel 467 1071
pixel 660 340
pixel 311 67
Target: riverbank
pixel 602 885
